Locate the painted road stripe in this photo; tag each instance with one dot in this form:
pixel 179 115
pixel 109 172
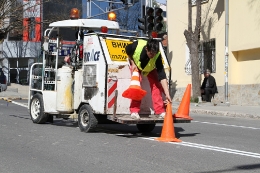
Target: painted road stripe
pixel 20 104
pixel 213 148
pixel 219 124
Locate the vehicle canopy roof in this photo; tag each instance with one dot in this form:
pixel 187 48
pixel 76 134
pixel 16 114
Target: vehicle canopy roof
pixel 86 23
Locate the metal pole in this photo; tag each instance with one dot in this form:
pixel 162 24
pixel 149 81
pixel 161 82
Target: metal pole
pixel 110 6
pixel 226 49
pixel 88 8
pixel 142 3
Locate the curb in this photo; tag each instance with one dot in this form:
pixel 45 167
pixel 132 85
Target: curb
pixel 222 113
pixel 12 101
pixel 6 99
pixel 13 98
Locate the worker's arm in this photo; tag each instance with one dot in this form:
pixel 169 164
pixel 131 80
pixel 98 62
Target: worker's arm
pixel 130 52
pixel 162 78
pixel 132 63
pixel 166 90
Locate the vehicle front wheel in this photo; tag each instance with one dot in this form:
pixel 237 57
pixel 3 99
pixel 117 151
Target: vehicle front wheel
pixel 37 110
pixel 87 121
pixel 145 127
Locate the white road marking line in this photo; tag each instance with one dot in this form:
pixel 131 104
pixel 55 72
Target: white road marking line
pixel 20 104
pixel 212 148
pixel 219 124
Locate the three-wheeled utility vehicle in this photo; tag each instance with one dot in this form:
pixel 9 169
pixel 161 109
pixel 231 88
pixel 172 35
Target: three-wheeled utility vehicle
pixel 90 87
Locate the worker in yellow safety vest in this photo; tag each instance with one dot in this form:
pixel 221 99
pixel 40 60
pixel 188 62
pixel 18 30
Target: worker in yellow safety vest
pixel 146 58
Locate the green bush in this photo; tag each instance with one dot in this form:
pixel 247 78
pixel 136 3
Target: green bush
pixel 194 100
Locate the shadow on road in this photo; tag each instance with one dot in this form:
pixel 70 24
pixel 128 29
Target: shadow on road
pixel 249 168
pixel 122 130
pixel 21 116
pixel 131 131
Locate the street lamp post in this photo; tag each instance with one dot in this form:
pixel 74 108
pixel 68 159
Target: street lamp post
pixel 226 48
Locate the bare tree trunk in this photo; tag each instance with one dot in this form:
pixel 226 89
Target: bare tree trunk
pixel 195 70
pixel 193 39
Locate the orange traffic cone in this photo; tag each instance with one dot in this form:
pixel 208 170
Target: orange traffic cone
pixel 184 108
pixel 168 133
pixel 135 91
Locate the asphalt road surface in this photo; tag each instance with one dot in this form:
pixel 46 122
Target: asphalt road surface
pixel 210 144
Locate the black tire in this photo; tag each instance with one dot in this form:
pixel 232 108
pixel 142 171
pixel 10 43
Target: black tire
pixel 50 118
pixel 37 110
pixel 87 121
pixel 145 127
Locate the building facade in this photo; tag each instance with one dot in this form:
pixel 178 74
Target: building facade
pixel 21 48
pixel 243 48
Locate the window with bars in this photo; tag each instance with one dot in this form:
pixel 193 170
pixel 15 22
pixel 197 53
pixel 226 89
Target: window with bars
pixel 193 2
pixel 207 51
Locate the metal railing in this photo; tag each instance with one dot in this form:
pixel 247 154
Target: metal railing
pixel 207 58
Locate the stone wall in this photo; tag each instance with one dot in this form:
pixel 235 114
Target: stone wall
pixel 238 94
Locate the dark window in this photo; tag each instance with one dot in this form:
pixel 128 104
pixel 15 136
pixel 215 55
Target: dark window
pixel 207 51
pixel 31 26
pixel 207 60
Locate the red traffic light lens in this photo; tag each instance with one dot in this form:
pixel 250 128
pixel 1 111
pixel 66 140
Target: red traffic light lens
pixel 154 34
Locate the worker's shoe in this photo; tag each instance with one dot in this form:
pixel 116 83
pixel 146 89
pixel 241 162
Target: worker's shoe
pixel 161 115
pixel 135 115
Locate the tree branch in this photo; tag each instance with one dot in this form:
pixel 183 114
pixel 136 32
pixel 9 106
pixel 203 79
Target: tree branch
pixel 189 16
pixel 198 19
pixel 188 37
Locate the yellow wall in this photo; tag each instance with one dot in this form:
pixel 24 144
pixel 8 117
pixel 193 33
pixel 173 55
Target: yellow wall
pixel 244 39
pixel 176 21
pixel 213 27
pixel 247 67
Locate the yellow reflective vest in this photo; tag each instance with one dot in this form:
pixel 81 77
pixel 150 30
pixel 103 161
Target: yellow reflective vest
pixel 136 57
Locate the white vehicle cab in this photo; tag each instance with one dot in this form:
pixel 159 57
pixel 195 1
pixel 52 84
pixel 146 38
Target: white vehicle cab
pixel 91 86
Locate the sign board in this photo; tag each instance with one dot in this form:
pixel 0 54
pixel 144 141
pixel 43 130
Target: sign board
pixel 116 49
pixel 66 48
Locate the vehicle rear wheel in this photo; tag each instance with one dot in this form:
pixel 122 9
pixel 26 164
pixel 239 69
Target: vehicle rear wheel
pixel 37 110
pixel 145 127
pixel 87 121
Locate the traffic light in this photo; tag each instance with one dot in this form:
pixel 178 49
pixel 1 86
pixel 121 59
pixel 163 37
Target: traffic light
pixel 149 19
pixel 142 26
pixel 158 21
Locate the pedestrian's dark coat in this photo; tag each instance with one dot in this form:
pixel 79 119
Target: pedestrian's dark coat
pixel 212 84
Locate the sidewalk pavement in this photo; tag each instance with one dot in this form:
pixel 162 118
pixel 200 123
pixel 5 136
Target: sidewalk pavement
pixel 222 109
pixel 16 91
